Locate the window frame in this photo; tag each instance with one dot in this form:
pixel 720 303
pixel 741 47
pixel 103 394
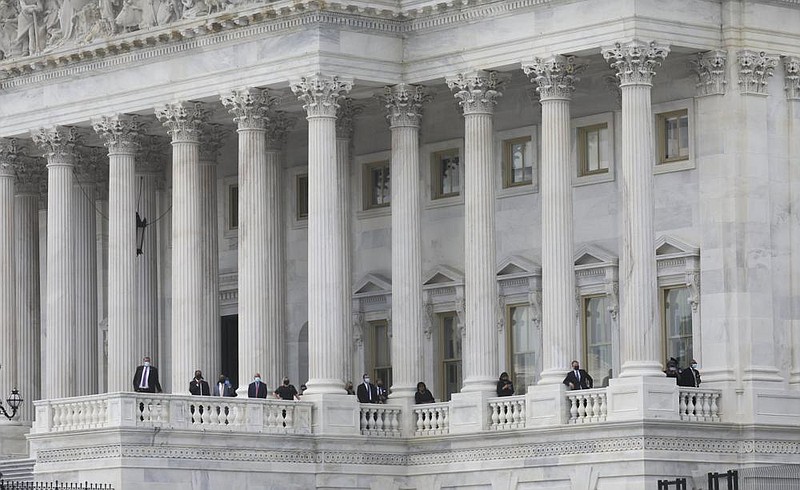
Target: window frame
pixel 662 307
pixel 521 388
pixel 583 143
pixel 610 119
pixel 661 143
pixel 362 162
pixel 503 190
pixel 444 362
pixel 375 368
pixel 437 192
pixel 666 108
pixel 508 171
pixel 426 159
pixel 584 361
pixel 291 195
pixel 298 179
pixel 366 182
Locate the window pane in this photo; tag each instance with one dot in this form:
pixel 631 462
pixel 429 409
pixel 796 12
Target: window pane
pixel 233 206
pixel 380 185
pixel 598 339
pixel 603 146
pixel 684 136
pixel 592 153
pixel 451 355
pixel 524 347
pixel 678 316
pixel 302 196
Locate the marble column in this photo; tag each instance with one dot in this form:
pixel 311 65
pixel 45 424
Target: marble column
pixel 210 328
pixel 101 238
pixel 8 320
pixel 641 334
pixel 184 121
pixel 30 174
pixel 404 106
pixel 326 305
pixel 555 78
pixel 43 274
pixel 58 145
pixel 150 164
pixel 345 121
pixel 85 246
pixel 477 93
pixel 791 69
pixel 125 342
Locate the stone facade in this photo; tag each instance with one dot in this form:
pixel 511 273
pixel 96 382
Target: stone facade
pixel 421 191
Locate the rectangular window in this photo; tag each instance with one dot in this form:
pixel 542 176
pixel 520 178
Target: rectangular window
pixel 446 173
pixel 673 136
pixel 381 353
pixel 233 207
pixel 301 190
pixel 517 162
pixel 524 348
pixel 593 149
pixel 597 332
pixel 677 314
pixel 377 189
pixel 451 354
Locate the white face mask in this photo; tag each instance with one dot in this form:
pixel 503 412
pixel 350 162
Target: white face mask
pixel 146 363
pixel 694 365
pixel 257 380
pixel 366 380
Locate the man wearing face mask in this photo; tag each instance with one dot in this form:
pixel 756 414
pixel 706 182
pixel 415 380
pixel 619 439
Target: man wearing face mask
pixel 145 379
pixel 366 392
pixel 257 389
pixel 690 376
pixel 578 379
pixel 223 387
pixel 286 391
pixel 199 386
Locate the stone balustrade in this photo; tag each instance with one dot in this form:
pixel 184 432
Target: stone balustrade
pixel 507 413
pixel 380 420
pixel 432 419
pixel 147 410
pixel 587 406
pixel 699 404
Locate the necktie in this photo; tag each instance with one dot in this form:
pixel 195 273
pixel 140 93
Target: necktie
pixel 145 374
pixel 368 391
pixel 578 375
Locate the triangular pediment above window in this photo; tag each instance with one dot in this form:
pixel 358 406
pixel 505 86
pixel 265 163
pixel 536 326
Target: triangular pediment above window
pixel 516 265
pixel 443 275
pixel 373 283
pixel 669 245
pixel 592 255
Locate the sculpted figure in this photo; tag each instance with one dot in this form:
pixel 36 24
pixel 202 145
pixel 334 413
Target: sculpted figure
pixel 166 12
pixel 149 14
pixel 31 29
pixel 8 28
pixel 194 8
pixel 130 16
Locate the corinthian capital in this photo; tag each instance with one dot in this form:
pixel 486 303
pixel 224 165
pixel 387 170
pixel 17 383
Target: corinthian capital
pixel 555 76
pixel 57 143
pixel 183 120
pixel 9 153
pixel 153 154
pixel 319 94
pixel 710 70
pixel 31 174
pixel 791 67
pixel 346 117
pixel 119 132
pixel 212 138
pixel 278 129
pixel 404 104
pixel 755 68
pixel 635 61
pixel 249 106
pixel 477 92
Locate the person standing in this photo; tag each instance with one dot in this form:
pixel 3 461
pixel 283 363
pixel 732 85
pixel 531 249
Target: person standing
pixel 257 389
pixel 223 387
pixel 423 394
pixel 690 376
pixel 286 391
pixel 366 391
pixel 578 379
pixel 504 385
pixel 145 379
pixel 199 386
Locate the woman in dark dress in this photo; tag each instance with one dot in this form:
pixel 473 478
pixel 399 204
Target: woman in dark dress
pixel 423 395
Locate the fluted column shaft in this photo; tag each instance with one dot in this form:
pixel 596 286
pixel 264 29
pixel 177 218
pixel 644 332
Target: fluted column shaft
pixel 85 282
pixel 26 237
pixel 791 65
pixel 343 182
pixel 147 262
pixel 477 93
pixel 209 330
pixel 8 320
pixel 43 278
pixel 125 340
pixel 640 328
pixel 404 105
pixel 326 325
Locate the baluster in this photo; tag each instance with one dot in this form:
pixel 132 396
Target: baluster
pixel 714 408
pixel 364 419
pixel 213 414
pixel 690 407
pixel 395 421
pixel 682 404
pixel 582 408
pixel 382 420
pixel 289 420
pixel 444 424
pixel 420 421
pixel 271 416
pixel 233 414
pixel 495 414
pixel 706 408
pixel 595 407
pixel 434 419
pixel 573 409
pixel 603 407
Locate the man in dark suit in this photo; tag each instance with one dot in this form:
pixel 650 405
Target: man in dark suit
pixel 578 379
pixel 146 378
pixel 199 386
pixel 223 387
pixel 367 392
pixel 690 376
pixel 257 389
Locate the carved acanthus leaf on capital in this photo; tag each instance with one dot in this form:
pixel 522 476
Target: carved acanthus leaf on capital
pixel 154 154
pixel 791 67
pixel 755 68
pixel 119 132
pixel 211 141
pixel 9 153
pixel 710 70
pixel 31 174
pixel 346 117
pixel 403 104
pixel 319 94
pixel 477 92
pixel 249 106
pixel 278 127
pixel 57 143
pixel 555 76
pixel 183 120
pixel 87 161
pixel 635 61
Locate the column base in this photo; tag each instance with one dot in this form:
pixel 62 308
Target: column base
pixel 642 398
pixel 329 386
pixel 13 443
pixel 635 369
pixel 334 414
pixel 553 377
pixel 469 412
pixel 546 405
pixel 474 385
